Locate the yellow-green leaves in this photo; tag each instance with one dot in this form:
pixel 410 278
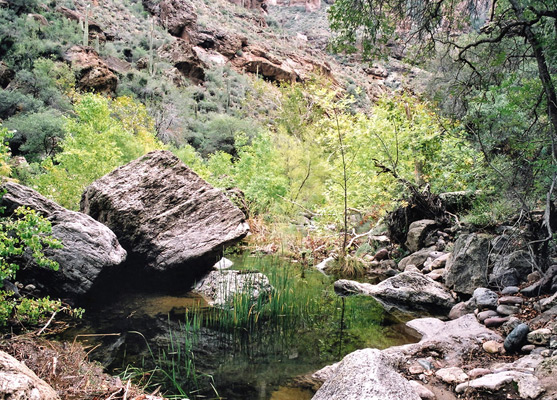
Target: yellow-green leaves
pixel 104 135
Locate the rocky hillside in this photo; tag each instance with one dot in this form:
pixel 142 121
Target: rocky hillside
pixel 186 40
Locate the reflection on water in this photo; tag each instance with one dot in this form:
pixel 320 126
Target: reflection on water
pixel 290 393
pixel 256 361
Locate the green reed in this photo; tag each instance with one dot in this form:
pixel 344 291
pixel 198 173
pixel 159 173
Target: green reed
pixel 287 305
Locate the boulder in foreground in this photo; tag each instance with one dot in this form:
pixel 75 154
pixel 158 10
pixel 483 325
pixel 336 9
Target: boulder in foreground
pixel 89 247
pixel 172 223
pixel 19 382
pixel 366 374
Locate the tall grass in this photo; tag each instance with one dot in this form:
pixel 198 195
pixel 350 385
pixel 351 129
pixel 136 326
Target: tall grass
pixel 289 304
pixel 173 367
pixel 177 362
pixel 300 313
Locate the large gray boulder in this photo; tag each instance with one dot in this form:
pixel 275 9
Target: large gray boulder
pixel 366 374
pixel 417 232
pixel 19 382
pixel 511 269
pixel 173 224
pixel 467 267
pixel 409 292
pixel 89 247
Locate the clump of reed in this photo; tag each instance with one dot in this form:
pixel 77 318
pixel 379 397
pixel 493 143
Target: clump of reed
pixel 173 367
pixel 284 307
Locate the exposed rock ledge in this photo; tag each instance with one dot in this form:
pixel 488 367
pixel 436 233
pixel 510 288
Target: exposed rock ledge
pixel 376 374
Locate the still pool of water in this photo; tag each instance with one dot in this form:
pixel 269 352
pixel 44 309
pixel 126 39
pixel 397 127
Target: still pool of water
pixel 189 347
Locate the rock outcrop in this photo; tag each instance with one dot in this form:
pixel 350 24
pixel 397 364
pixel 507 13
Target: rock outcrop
pixel 310 5
pixel 409 292
pixel 182 55
pixel 260 5
pixel 467 268
pixel 169 220
pixel 90 248
pixel 6 75
pixel 449 344
pixel 96 31
pixel 177 16
pixel 366 374
pixel 197 47
pixel 19 382
pixel 511 269
pixel 92 72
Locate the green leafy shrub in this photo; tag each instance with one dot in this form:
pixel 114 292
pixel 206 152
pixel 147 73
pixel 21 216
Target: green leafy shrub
pixel 104 135
pixel 25 231
pixel 36 135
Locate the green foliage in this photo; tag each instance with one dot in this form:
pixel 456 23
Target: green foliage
pixel 24 40
pixel 297 167
pixel 488 211
pixel 104 135
pixel 25 231
pixel 499 82
pixel 20 6
pixel 12 101
pixel 5 165
pixel 33 110
pixel 36 135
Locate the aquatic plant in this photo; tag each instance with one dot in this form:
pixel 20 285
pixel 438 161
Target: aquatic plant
pixel 174 366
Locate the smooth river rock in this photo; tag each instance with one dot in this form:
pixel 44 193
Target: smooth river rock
pixel 173 224
pixel 408 292
pixel 366 374
pixel 485 298
pixel 89 247
pixel 516 338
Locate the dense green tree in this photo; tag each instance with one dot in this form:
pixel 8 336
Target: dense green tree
pixel 497 72
pixel 104 135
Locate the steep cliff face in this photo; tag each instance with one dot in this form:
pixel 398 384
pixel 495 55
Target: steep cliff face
pixel 279 40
